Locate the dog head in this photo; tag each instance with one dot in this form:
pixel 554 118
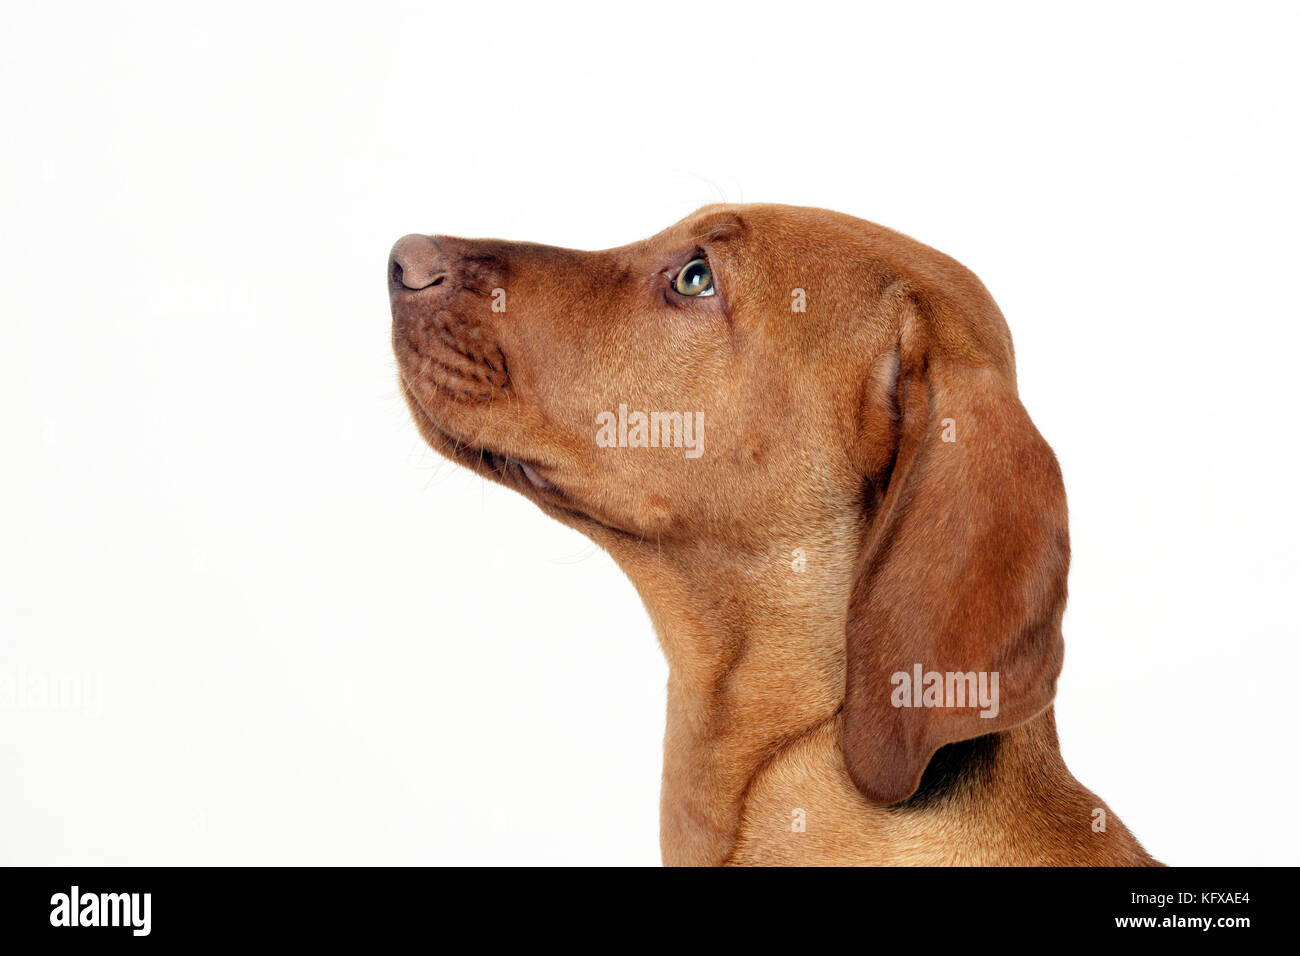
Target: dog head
pixel 750 370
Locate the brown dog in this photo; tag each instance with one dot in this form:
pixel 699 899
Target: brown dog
pixel 799 435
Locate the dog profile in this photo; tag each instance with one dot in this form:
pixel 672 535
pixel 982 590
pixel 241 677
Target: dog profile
pixel 798 433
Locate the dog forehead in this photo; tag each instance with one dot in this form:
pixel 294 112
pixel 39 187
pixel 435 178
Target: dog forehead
pixel 721 222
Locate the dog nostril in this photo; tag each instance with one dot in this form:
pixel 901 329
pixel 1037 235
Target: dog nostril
pixel 416 262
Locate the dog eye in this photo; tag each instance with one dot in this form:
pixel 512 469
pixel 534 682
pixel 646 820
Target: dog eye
pixel 694 279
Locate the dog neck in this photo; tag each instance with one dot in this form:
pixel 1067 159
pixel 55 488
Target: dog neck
pixel 753 767
pixel 754 666
pixel 726 719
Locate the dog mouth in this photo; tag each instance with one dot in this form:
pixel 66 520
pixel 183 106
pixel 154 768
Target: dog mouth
pixel 515 467
pixel 517 473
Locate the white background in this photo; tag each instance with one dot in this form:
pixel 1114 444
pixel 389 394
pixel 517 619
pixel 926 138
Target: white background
pixel 300 636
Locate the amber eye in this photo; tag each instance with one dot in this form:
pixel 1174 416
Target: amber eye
pixel 694 279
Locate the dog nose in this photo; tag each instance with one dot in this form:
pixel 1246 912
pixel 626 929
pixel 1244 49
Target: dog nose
pixel 416 262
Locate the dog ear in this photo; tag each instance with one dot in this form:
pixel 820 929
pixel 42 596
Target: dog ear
pixel 964 563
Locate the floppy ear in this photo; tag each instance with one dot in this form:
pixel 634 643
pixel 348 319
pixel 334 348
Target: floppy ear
pixel 964 564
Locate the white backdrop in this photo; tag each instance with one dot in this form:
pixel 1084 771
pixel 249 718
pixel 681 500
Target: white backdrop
pixel 245 616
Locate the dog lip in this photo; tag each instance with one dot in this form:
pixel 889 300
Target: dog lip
pixel 510 471
pixel 540 483
pixel 521 472
pixel 505 467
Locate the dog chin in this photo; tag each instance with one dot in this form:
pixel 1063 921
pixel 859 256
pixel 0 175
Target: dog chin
pixel 525 477
pixel 506 469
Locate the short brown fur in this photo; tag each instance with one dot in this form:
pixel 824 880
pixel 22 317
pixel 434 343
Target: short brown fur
pixel 826 431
